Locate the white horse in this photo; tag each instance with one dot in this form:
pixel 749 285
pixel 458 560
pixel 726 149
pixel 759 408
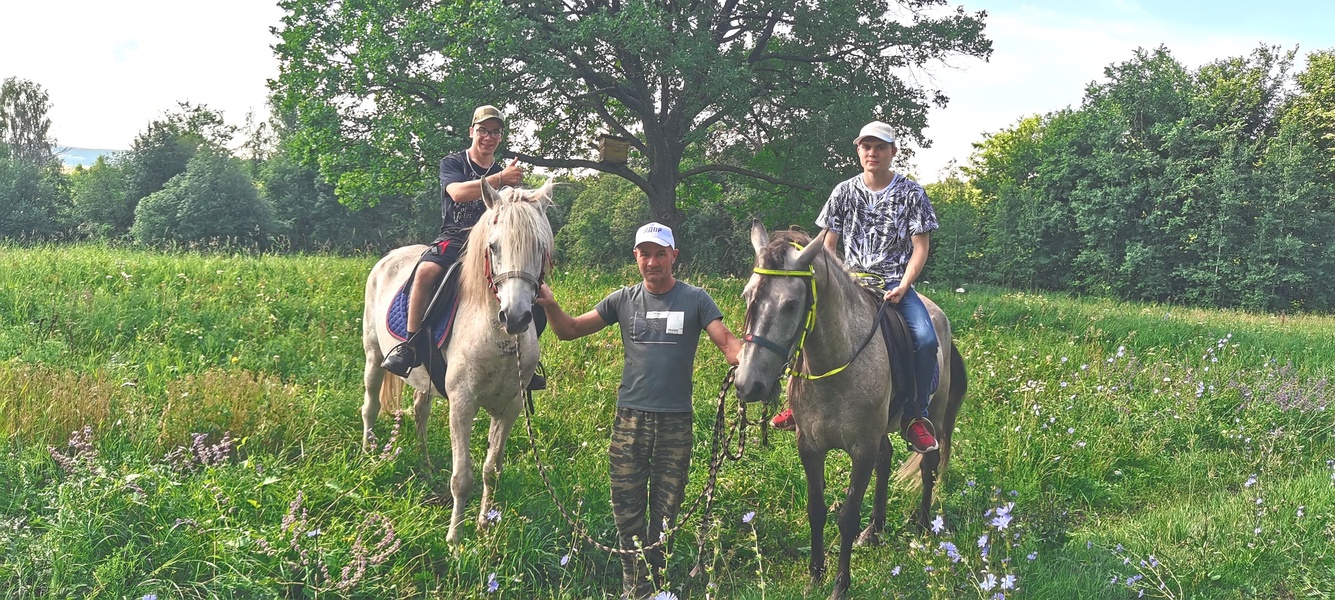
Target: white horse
pixel 491 352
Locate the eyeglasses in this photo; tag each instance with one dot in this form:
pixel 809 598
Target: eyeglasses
pixel 484 132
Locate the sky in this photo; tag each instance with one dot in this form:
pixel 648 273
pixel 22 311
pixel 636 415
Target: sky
pixel 112 68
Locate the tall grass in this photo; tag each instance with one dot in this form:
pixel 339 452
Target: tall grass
pixel 187 426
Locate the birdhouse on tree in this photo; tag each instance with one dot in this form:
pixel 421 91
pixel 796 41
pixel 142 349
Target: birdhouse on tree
pixel 612 149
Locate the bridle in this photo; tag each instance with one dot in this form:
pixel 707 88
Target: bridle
pixel 792 351
pixel 494 280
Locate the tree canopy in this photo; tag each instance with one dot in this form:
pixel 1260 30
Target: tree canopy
pixel 1208 186
pixel 25 123
pixel 381 89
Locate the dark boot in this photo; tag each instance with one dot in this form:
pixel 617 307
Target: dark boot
pixel 402 358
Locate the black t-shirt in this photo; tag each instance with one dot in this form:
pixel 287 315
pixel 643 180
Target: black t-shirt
pixel 457 218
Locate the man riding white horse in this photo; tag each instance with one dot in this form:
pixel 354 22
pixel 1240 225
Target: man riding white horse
pixel 460 207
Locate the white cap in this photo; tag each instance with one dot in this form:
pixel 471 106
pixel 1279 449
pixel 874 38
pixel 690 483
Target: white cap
pixel 655 232
pixel 877 130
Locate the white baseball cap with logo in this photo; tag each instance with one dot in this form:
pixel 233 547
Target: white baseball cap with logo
pixel 876 129
pixel 657 233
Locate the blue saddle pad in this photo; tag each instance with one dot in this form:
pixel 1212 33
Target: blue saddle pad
pixel 396 318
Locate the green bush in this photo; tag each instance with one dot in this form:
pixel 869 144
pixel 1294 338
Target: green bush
pixel 213 199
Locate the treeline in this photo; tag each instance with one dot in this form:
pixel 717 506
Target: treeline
pixel 191 181
pixel 185 182
pixel 1211 186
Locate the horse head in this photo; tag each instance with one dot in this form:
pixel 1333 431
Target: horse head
pixel 515 243
pixel 778 304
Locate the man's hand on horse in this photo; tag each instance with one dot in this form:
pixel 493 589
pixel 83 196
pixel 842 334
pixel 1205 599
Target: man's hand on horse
pixel 512 174
pixel 545 297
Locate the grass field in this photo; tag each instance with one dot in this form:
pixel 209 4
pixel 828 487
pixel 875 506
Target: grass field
pixel 185 426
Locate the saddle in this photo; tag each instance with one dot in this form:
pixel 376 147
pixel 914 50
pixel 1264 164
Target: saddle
pixel 436 323
pixel 899 343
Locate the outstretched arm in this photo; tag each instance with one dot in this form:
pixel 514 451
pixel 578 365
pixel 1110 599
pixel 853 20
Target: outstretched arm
pixel 565 326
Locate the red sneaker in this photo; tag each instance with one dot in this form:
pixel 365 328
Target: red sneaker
pixel 784 420
pixel 919 436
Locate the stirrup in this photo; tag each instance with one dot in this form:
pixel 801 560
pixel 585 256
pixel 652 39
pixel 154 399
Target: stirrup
pixel 914 446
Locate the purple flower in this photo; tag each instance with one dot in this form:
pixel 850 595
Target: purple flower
pixel 951 551
pixel 565 559
pixel 492 584
pixel 938 524
pixel 1032 556
pixel 988 582
pixel 1001 522
pixel 746 518
pixel 150 597
pixel 493 516
pixel 1008 582
pixel 895 571
pixel 982 541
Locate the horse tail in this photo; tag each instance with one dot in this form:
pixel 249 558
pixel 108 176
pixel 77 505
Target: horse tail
pixel 907 475
pixel 391 393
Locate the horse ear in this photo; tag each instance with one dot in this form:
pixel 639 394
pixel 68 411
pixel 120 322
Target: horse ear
pixel 544 193
pixel 489 195
pixel 759 237
pixel 813 248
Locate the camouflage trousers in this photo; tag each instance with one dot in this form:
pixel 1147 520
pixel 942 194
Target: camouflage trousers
pixel 650 456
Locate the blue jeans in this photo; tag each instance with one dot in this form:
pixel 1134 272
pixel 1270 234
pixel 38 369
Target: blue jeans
pixel 924 344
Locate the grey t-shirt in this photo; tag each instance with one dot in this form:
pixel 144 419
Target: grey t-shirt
pixel 660 333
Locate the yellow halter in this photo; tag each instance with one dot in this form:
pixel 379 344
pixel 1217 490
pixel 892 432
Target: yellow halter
pixel 806 328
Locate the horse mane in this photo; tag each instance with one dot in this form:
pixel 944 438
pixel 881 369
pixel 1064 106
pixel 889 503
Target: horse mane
pixel 527 232
pixel 774 254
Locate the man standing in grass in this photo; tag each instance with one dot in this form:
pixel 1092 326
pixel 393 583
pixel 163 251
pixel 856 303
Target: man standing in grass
pixel 886 223
pixel 661 319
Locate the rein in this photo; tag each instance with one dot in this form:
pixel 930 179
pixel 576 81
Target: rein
pixel 794 353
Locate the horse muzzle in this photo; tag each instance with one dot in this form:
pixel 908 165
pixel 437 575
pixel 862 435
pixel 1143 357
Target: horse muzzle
pixel 514 321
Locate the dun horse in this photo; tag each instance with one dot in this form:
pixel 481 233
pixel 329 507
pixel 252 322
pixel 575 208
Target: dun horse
pixel 492 351
pixel 802 295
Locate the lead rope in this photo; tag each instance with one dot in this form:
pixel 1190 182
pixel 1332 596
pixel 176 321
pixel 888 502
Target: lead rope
pixel 715 464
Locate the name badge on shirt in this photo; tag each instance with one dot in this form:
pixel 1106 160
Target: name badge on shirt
pixel 674 321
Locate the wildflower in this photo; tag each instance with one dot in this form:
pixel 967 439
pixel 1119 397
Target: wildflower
pixel 1032 556
pixel 895 571
pixel 492 584
pixel 982 541
pixel 1008 582
pixel 312 533
pixel 1001 521
pixel 1300 511
pixel 150 597
pixel 938 524
pixel 746 518
pixel 988 582
pixel 665 595
pixel 951 551
pixel 565 559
